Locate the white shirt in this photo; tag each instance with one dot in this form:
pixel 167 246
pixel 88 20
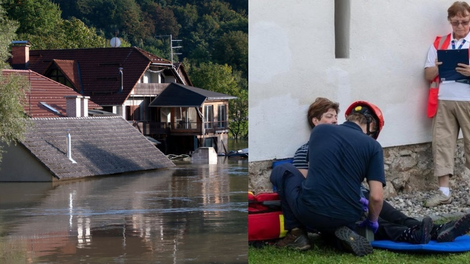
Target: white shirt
pixel 450 90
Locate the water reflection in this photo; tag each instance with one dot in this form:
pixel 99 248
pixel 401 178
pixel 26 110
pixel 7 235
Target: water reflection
pixel 188 214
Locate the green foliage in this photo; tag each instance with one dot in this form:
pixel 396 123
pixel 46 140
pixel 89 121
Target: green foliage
pixel 232 48
pixel 7 31
pixel 69 34
pixel 211 31
pixel 42 26
pixel 221 79
pixel 12 89
pixel 35 16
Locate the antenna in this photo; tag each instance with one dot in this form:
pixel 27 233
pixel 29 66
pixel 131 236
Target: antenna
pixel 171 45
pixel 174 47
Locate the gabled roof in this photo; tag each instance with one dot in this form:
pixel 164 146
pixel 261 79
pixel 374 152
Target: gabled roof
pixel 70 70
pixel 178 95
pixel 45 90
pixel 100 146
pixel 182 71
pixel 99 69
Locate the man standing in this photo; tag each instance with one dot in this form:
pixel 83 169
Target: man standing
pixel 341 157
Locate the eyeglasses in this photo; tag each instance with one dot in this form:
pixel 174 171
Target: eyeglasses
pixel 457 23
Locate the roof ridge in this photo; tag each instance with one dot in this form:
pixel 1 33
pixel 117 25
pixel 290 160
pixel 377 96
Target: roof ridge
pixel 82 117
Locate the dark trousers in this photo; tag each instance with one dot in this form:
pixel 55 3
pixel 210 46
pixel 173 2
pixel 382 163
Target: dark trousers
pixel 288 181
pixel 392 223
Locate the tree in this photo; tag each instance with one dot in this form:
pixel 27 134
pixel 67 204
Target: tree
pixel 232 48
pixel 35 16
pixel 69 34
pixel 221 79
pixel 12 90
pixel 42 26
pixel 239 116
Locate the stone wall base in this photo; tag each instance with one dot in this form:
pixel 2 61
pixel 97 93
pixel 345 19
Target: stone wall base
pixel 407 169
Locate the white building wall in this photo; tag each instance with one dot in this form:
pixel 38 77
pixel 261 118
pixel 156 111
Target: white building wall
pixel 292 61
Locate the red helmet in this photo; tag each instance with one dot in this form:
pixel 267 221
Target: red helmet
pixel 369 111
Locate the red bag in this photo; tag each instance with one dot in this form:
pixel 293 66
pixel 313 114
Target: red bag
pixel 265 218
pixel 432 102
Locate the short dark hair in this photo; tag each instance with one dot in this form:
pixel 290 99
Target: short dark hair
pixel 320 106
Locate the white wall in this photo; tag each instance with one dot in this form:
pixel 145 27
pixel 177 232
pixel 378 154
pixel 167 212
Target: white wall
pixel 292 61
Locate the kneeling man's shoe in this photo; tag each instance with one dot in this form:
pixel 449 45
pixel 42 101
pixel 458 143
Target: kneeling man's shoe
pixel 295 239
pixel 356 244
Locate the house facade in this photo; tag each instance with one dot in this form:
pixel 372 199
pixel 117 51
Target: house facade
pixel 195 117
pixel 124 81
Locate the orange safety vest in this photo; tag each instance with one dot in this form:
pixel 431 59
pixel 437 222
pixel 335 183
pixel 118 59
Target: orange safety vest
pixel 441 42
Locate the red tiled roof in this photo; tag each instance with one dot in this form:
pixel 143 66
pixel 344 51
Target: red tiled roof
pixel 98 69
pixel 48 91
pixel 70 69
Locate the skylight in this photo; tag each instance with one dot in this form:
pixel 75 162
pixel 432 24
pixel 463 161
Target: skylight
pixel 50 108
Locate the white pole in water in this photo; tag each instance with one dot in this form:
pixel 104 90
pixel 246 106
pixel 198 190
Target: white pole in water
pixel 69 146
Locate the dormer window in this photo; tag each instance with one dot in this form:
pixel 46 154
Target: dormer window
pixel 59 77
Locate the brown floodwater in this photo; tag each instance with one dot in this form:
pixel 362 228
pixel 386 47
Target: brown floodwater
pixel 194 213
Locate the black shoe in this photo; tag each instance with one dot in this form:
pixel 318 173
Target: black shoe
pixel 422 234
pixel 353 242
pixel 295 239
pixel 418 234
pixel 454 229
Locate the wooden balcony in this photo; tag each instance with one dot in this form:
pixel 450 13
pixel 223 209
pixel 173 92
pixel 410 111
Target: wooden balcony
pixel 180 128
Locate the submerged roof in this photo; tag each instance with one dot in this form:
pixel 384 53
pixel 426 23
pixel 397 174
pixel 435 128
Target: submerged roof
pixel 45 92
pixel 100 146
pixel 178 95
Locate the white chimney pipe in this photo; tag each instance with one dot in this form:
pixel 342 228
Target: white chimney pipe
pixel 68 140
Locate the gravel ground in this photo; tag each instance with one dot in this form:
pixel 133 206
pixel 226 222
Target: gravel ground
pixel 412 204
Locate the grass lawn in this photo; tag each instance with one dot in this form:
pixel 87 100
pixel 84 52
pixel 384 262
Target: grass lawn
pixel 321 253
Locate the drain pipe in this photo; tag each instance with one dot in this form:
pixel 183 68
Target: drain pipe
pixel 69 146
pixel 121 74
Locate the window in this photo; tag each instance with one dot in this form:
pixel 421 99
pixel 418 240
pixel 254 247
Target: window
pixel 59 77
pixel 186 118
pixel 208 116
pixel 222 116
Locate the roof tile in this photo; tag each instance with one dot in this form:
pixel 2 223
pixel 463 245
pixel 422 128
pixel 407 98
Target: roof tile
pixel 100 146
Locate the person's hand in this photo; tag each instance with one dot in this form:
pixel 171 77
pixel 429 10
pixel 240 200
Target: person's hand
pixel 463 69
pixel 365 204
pixel 437 63
pixel 373 225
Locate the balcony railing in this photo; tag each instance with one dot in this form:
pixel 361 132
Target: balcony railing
pixel 151 128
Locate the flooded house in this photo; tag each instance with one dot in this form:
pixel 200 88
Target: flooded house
pixel 62 142
pixel 125 81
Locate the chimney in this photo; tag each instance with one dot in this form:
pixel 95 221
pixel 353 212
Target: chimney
pixel 73 105
pixel 20 54
pixel 68 141
pixel 84 105
pixel 77 105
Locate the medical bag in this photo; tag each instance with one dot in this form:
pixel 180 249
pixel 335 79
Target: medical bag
pixel 265 218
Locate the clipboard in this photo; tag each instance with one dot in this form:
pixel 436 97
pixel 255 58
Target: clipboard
pixel 450 59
